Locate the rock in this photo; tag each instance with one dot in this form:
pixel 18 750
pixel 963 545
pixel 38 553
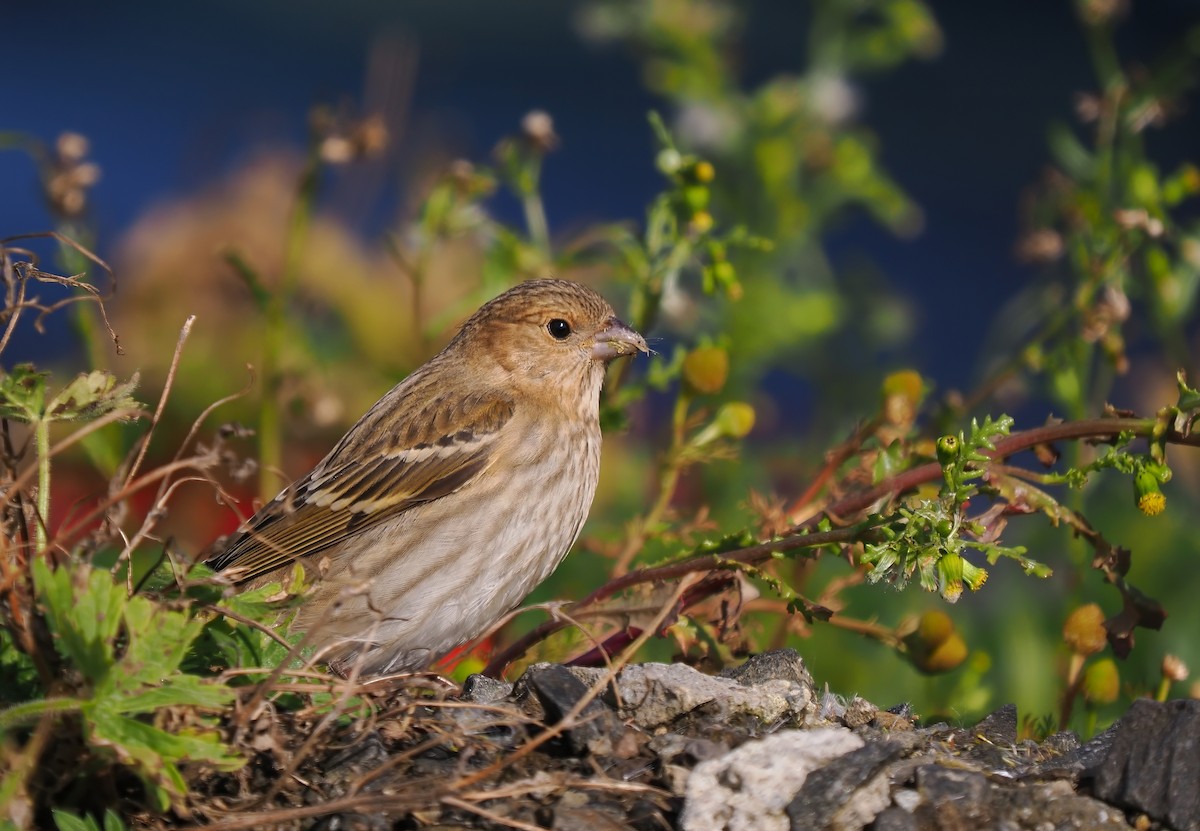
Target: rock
pixel 953 799
pixel 489 718
pixel 655 695
pixel 679 754
pixel 851 790
pixel 484 690
pixel 775 665
pixel 597 728
pixel 1000 727
pixel 749 788
pixel 859 712
pixel 749 749
pixel 895 819
pixel 1068 758
pixel 1153 764
pixel 1052 805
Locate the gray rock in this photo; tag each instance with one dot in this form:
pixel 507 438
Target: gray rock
pixel 859 712
pixel 749 788
pixel 851 790
pixel 1067 758
pixel 895 819
pixel 1053 805
pixel 1000 727
pixel 484 690
pixel 1153 764
pixel 775 665
pixel 953 799
pixel 655 695
pixel 559 691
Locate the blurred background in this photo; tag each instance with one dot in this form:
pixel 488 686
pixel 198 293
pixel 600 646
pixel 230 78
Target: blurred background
pixel 895 152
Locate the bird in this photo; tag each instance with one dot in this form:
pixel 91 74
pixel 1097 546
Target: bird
pixel 456 494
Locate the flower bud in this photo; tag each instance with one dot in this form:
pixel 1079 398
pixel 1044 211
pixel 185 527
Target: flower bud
pixel 537 128
pixel 902 394
pixel 701 223
pixel 948 450
pixel 734 420
pixel 935 646
pixel 1102 682
pixel 668 160
pixel 724 273
pixel 1174 669
pixel 696 197
pixel 1084 630
pixel 706 369
pixel 1150 498
pixel 954 572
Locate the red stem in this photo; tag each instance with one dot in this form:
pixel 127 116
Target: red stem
pixel 1100 428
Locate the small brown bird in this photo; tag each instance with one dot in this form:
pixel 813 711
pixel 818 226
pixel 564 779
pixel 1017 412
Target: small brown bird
pixel 457 493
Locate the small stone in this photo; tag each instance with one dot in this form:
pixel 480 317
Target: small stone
pixel 859 711
pixel 1068 759
pixel 891 722
pixel 481 689
pixel 559 691
pixel 952 798
pixel 895 819
pixel 749 788
pixel 775 665
pixel 654 695
pixel 1000 727
pixel 851 790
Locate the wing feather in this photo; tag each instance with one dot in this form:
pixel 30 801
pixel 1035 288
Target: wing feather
pixel 369 478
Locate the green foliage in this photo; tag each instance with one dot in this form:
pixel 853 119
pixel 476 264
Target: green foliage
pixel 790 159
pixel 89 396
pixel 128 651
pixel 67 821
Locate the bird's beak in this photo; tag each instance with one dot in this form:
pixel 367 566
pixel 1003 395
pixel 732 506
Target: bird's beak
pixel 617 339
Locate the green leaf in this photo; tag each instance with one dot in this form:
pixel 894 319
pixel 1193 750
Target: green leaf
pixel 1189 398
pixel 259 292
pixel 83 607
pixel 66 821
pixel 23 393
pixel 92 394
pixel 1070 152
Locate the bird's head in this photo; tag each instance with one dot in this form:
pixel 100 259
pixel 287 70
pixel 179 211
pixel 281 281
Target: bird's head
pixel 546 332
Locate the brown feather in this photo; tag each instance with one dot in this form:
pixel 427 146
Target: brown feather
pixel 344 495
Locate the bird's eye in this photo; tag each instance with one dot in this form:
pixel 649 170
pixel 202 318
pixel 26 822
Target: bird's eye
pixel 558 328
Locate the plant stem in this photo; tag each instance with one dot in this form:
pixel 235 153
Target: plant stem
pixel 802 537
pixel 41 434
pixel 535 211
pixel 28 711
pixel 270 421
pixel 535 221
pixel 668 479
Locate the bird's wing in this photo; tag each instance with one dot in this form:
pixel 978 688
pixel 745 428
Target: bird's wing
pixel 368 478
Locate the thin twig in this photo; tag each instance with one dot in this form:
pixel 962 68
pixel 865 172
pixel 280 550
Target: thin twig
pixel 570 720
pixel 162 399
pixel 850 505
pixel 491 816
